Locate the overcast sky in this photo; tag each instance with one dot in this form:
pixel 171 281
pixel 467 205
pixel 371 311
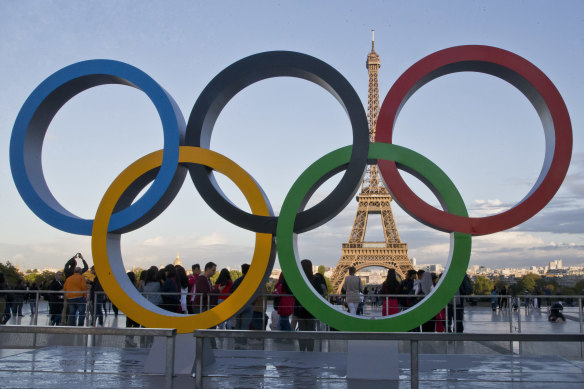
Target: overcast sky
pixel 480 130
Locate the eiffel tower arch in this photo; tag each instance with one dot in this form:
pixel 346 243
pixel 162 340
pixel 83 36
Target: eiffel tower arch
pixel 374 199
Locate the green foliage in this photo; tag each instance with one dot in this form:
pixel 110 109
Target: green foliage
pixel 542 282
pixel 271 285
pixel 528 282
pixel 548 283
pixel 329 285
pixel 515 289
pixel 500 284
pixel 482 286
pixel 579 287
pixel 137 272
pixel 11 274
pixel 235 274
pixel 30 278
pixel 42 280
pixel 566 290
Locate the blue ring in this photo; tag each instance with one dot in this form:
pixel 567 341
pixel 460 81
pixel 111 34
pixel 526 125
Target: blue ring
pixel 34 119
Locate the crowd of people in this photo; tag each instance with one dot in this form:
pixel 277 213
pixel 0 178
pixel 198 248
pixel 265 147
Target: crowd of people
pixel 11 304
pixel 396 295
pixel 71 296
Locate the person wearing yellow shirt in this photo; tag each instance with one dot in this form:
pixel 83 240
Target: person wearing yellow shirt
pixel 76 292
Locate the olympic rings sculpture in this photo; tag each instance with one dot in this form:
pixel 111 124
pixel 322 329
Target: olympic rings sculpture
pixel 186 148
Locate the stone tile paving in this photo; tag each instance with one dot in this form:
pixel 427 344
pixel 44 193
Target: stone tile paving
pixel 64 361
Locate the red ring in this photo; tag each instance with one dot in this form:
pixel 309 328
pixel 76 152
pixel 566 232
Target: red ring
pixel 522 74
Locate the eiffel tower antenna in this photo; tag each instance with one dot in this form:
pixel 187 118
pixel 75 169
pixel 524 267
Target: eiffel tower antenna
pixel 374 199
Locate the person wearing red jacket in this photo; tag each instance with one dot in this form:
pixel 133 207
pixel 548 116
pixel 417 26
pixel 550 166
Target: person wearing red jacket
pixel 223 285
pixel 285 303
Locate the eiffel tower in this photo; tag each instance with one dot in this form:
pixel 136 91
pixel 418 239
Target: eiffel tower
pixel 374 198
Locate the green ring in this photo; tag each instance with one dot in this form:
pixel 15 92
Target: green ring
pixel 426 309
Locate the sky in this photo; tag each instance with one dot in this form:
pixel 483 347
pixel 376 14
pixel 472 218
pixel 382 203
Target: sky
pixel 478 129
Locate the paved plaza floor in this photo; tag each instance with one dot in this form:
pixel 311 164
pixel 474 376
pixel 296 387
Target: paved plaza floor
pixel 110 362
pixel 112 367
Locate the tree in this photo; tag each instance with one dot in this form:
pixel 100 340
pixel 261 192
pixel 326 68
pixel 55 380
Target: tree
pixel 500 284
pixel 11 273
pixel 235 274
pixel 137 272
pixel 482 286
pixel 42 280
pixel 271 285
pixel 579 287
pixel 527 282
pixel 329 284
pixel 566 290
pixel 515 289
pixel 30 278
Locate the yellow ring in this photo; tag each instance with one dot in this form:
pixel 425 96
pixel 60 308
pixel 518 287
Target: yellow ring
pixel 113 277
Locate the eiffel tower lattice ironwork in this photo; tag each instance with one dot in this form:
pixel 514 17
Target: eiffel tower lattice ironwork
pixel 374 198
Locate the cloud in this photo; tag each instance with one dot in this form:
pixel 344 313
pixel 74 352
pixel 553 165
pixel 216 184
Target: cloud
pixel 488 207
pixel 157 241
pixel 213 239
pixel 51 254
pixel 431 251
pixel 495 202
pixel 556 221
pixel 522 249
pixel 575 181
pixel 48 249
pixel 503 249
pixel 507 240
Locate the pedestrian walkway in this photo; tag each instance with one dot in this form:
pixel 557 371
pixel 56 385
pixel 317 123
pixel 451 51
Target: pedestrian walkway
pixel 111 362
pixel 108 367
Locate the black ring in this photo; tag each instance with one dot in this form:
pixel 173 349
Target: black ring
pixel 259 67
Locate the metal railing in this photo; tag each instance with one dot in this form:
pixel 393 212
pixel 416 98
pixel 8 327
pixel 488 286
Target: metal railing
pixel 412 337
pixel 170 335
pixel 513 305
pixel 507 304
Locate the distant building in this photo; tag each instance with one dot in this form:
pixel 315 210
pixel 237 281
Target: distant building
pixel 372 277
pixel 275 273
pixel 177 261
pixel 556 265
pixel 377 278
pixel 433 268
pixel 565 276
